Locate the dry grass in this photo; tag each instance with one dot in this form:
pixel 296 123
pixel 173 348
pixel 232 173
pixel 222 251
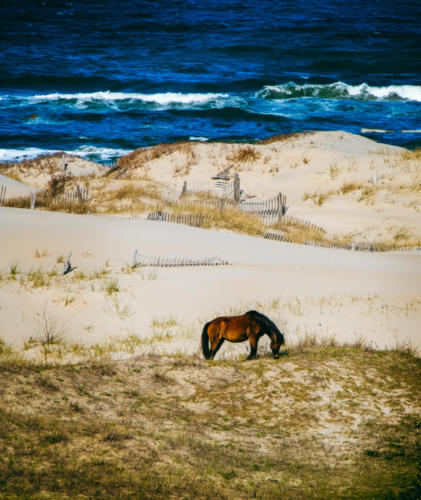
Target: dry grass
pixel 49 163
pixel 368 195
pixel 300 233
pixel 133 192
pixel 334 171
pixel 246 154
pixel 284 137
pixel 322 422
pixel 414 155
pixel 140 158
pixel 230 219
pixel 350 186
pixel 318 198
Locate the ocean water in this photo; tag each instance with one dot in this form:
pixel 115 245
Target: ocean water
pixel 101 78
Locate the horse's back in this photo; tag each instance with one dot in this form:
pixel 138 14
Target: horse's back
pixel 233 328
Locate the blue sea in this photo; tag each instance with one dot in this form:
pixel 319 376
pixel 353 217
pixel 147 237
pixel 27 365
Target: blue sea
pixel 101 78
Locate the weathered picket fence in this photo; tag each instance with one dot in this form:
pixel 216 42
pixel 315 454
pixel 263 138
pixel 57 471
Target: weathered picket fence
pixel 275 205
pixel 221 189
pixel 196 220
pixel 270 211
pixel 360 247
pixel 159 261
pixel 70 201
pixel 79 196
pixel 297 221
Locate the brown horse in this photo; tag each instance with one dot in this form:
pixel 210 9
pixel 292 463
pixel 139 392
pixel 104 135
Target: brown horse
pixel 251 325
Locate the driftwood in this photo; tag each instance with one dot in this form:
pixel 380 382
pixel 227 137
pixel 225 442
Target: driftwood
pixel 68 268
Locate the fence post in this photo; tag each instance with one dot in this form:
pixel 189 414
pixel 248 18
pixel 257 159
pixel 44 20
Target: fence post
pixel 283 203
pixel 33 199
pixel 184 189
pixel 236 187
pixel 280 208
pixel 2 195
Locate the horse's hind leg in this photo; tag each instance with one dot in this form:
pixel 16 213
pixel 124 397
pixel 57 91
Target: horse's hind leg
pixel 215 347
pixel 253 347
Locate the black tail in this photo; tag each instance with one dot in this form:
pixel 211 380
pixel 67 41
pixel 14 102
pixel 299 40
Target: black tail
pixel 270 325
pixel 205 342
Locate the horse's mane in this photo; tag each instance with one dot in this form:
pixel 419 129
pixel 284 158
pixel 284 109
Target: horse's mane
pixel 266 321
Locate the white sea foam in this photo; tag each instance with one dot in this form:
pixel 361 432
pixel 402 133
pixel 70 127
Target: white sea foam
pixel 163 99
pixel 409 92
pixel 339 90
pixel 103 153
pixel 23 154
pixel 85 151
pixel 198 139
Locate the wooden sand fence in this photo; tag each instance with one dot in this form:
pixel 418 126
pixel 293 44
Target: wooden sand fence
pixel 72 201
pixel 360 247
pixel 79 196
pixel 221 188
pixel 159 261
pixel 195 220
pixel 270 211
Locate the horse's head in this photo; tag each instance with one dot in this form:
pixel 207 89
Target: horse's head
pixel 277 340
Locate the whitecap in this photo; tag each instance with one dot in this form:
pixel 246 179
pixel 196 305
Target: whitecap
pixel 198 139
pixel 24 153
pixel 341 90
pixel 84 151
pixel 162 99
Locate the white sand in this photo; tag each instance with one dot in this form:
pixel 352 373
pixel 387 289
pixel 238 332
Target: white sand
pixel 15 188
pixel 305 290
pixel 308 164
pixel 321 291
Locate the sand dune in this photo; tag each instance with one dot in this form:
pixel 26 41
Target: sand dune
pixel 15 188
pixel 340 181
pixel 306 290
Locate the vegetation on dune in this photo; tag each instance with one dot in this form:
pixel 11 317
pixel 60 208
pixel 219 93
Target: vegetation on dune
pixel 322 422
pixel 126 189
pixel 246 154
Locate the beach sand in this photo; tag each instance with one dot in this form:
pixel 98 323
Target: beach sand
pixel 310 292
pixel 307 291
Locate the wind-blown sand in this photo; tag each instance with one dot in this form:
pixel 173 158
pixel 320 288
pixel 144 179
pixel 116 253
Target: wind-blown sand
pixel 306 290
pixel 15 188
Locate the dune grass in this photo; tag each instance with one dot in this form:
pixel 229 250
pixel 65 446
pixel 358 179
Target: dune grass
pixel 321 422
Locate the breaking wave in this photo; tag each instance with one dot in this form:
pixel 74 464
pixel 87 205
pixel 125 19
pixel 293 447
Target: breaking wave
pixel 341 90
pixel 86 151
pixel 162 99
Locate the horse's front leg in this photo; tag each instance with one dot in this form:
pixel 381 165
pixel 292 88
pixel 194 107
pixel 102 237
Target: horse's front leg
pixel 253 346
pixel 215 348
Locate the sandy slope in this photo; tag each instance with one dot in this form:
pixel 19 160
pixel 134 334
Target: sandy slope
pixel 305 290
pixel 304 166
pixel 15 188
pixel 38 172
